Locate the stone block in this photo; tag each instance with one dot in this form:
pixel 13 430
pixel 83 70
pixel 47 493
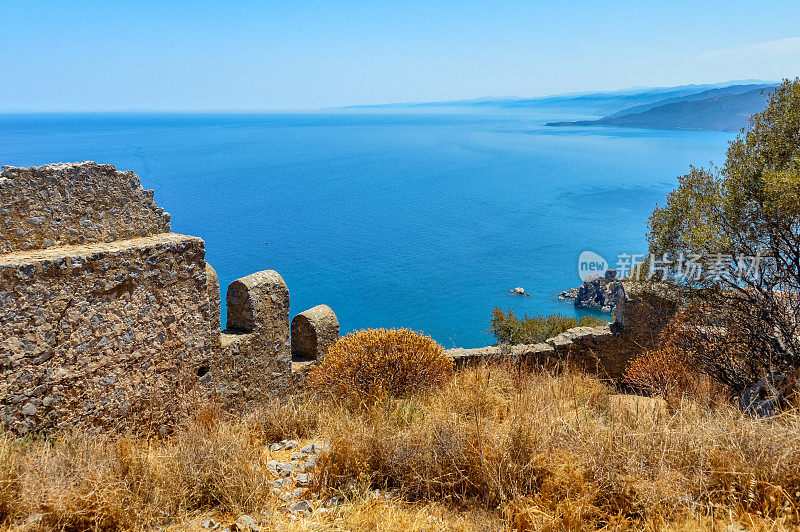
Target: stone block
pixel 93 333
pixel 259 300
pixel 314 331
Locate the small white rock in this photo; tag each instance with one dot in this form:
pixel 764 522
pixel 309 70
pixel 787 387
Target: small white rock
pixel 245 522
pixel 285 469
pixel 279 483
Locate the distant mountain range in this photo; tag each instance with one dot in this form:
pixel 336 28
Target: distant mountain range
pixel 724 109
pixel 720 107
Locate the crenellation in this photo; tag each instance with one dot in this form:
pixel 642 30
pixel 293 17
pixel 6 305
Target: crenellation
pixel 255 360
pixel 314 331
pixel 107 318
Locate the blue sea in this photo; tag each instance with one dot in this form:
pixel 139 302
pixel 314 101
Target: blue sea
pixel 409 220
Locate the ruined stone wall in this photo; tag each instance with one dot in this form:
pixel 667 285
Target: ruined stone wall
pixel 69 204
pixel 107 318
pixel 594 349
pixel 90 333
pixel 605 350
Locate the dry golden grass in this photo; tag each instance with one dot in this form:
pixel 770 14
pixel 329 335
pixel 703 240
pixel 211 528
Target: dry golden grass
pixel 494 448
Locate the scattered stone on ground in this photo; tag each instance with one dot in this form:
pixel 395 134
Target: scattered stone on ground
pixel 737 527
pixel 295 474
pixel 284 444
pixel 333 501
pixel 302 507
pixel 246 523
pixel 285 469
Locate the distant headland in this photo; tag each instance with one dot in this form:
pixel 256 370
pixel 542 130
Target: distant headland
pixel 711 107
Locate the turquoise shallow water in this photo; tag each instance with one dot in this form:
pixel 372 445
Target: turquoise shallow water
pixel 414 220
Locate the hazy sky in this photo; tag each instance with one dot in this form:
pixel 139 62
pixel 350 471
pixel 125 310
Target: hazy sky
pixel 261 55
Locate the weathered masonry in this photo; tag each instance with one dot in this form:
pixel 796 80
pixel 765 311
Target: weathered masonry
pixel 105 314
pixel 314 331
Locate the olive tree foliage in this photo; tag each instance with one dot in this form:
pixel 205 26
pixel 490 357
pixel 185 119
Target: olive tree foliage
pixel 749 207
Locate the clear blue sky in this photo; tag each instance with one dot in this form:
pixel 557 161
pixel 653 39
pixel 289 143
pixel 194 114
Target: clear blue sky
pixel 91 55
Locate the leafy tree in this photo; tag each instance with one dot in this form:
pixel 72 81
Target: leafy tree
pixel 750 207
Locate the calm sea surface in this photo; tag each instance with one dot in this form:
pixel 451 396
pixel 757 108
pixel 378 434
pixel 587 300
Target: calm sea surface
pixel 394 220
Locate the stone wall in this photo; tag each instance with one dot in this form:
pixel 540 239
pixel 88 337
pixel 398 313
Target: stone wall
pixel 107 319
pixel 605 350
pixel 89 333
pixel 594 349
pixel 70 204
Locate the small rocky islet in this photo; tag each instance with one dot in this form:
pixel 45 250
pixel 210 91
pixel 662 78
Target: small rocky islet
pixel 596 292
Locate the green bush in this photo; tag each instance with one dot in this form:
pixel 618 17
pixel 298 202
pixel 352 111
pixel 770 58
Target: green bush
pixel 507 328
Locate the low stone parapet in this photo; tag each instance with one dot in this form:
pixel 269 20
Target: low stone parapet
pixel 595 349
pixel 526 353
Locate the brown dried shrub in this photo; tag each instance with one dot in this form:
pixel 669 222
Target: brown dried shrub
pixel 662 371
pixel 374 362
pixel 665 370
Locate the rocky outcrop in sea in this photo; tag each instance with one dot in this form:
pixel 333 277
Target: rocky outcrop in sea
pixel 596 292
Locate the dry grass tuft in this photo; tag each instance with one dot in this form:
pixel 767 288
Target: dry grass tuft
pixel 81 482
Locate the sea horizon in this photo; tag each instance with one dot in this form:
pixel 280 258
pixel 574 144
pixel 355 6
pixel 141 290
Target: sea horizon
pixel 422 220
